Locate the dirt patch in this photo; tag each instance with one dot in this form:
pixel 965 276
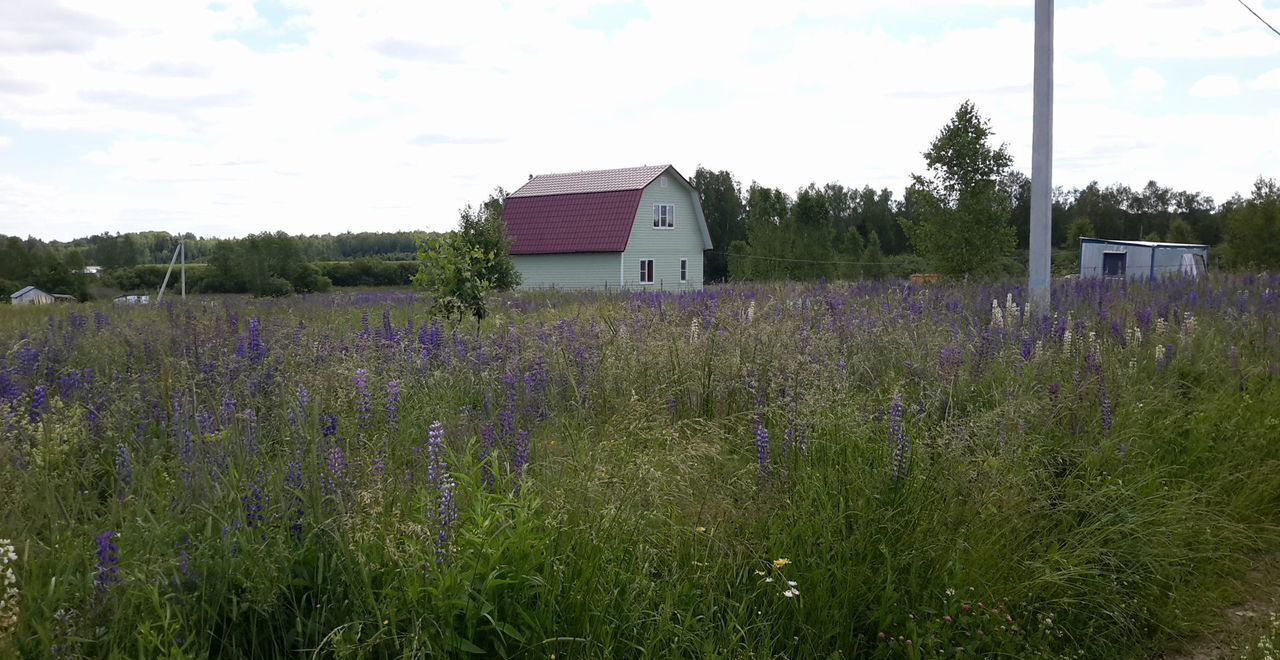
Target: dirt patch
pixel 1240 624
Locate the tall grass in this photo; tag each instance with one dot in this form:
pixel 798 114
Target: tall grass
pixel 650 475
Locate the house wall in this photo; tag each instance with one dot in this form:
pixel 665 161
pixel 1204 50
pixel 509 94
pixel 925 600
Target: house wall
pixel 665 246
pixel 1137 265
pixel 587 270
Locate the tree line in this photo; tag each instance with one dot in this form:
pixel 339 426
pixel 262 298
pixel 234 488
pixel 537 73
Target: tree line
pixel 968 213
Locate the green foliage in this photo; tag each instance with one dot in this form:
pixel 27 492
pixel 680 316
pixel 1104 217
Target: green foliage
pixel 482 230
pixel 1253 227
pixel 1080 228
pixel 266 264
pixel 458 275
pixel 1180 232
pixel 873 258
pixel 725 210
pixel 368 271
pixel 31 263
pixel 960 208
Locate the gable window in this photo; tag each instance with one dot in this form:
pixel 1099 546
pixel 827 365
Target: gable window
pixel 646 271
pixel 684 270
pixel 664 216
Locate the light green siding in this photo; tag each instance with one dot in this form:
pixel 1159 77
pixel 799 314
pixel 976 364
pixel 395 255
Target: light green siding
pixel 665 246
pixel 588 270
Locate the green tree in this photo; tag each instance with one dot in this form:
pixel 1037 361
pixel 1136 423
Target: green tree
pixel 482 230
pixel 1253 227
pixel 873 262
pixel 1180 231
pixel 725 212
pixel 458 275
pixel 1080 228
pixel 961 210
pixel 850 251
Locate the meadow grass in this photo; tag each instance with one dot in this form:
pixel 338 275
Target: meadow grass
pixel 785 471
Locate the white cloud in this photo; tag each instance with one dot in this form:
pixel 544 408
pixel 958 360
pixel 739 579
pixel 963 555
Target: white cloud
pixel 1216 86
pixel 5 141
pixel 392 115
pixel 1145 80
pixel 1267 81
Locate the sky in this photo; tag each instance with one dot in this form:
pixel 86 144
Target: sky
pixel 231 117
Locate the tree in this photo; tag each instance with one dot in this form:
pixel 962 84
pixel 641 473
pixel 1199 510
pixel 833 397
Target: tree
pixel 1180 232
pixel 458 275
pixel 1081 227
pixel 482 230
pixel 726 218
pixel 850 251
pixel 873 265
pixel 1253 227
pixel 960 208
pixel 265 264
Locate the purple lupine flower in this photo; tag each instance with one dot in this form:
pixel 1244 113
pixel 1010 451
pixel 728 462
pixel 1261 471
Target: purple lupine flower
pixel 521 456
pixel 39 400
pixel 293 482
pixel 1106 407
pixel 228 412
pixel 336 470
pixel 393 404
pixel 435 453
pixel 108 564
pixel 124 471
pixel 205 423
pixel 254 506
pixel 388 332
pixel 762 449
pixel 100 320
pixel 363 407
pixel 438 473
pixel 898 436
pixel 256 349
pixel 329 425
pixel 1053 390
pixel 1028 348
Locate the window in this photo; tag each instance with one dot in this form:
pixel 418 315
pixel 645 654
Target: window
pixel 664 216
pixel 1113 264
pixel 646 271
pixel 684 270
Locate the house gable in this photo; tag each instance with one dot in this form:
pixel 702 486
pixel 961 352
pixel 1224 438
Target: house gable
pixel 666 247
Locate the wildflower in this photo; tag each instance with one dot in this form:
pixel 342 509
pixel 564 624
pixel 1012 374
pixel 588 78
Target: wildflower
pixel 124 470
pixel 108 563
pixel 1160 355
pixel 695 330
pixel 329 426
pixel 897 436
pixel 700 530
pixel 751 312
pixel 947 618
pixel 779 563
pixel 363 409
pixel 39 401
pixel 8 588
pixel 997 316
pixel 791 593
pixel 762 449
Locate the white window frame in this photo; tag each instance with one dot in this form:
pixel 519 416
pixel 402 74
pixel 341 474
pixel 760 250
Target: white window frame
pixel 650 272
pixel 684 270
pixel 664 216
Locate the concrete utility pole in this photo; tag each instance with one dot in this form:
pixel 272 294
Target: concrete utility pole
pixel 1042 159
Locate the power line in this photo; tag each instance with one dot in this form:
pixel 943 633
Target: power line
pixel 1264 21
pixel 803 261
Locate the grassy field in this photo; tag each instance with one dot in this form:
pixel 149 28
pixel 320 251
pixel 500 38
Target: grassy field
pixel 824 471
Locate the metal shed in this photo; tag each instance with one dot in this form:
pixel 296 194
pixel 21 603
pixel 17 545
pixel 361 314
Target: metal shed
pixel 30 296
pixel 1100 257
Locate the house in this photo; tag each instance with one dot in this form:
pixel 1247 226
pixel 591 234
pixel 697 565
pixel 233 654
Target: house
pixel 1141 259
pixel 630 228
pixel 132 299
pixel 92 270
pixel 30 296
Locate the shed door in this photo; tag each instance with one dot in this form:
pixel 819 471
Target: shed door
pixel 1113 264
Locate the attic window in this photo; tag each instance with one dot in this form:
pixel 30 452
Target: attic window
pixel 662 182
pixel 664 216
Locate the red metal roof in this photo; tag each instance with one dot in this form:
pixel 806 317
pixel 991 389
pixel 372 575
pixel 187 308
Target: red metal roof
pixel 576 222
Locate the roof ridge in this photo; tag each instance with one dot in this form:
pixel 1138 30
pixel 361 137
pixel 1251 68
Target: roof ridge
pixel 607 169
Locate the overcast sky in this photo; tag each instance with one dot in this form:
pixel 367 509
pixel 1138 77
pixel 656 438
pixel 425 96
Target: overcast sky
pixel 234 116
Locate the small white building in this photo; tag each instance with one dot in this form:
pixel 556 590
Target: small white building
pixel 30 296
pixel 133 299
pixel 1100 257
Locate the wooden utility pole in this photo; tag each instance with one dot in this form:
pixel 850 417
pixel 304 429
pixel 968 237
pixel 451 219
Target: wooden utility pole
pixel 1042 160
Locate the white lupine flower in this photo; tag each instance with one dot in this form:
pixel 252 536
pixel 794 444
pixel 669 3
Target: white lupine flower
pixel 8 588
pixel 997 316
pixel 751 312
pixel 1159 352
pixel 695 330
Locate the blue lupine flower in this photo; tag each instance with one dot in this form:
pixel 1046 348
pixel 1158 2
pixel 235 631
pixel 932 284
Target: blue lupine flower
pixel 762 449
pixel 393 404
pixel 329 425
pixel 39 400
pixel 108 563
